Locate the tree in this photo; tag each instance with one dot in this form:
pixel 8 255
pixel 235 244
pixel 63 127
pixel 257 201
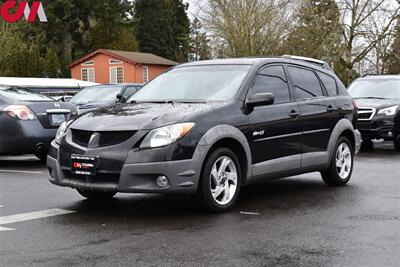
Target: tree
pixel 14 54
pixel 34 66
pixel 181 29
pixel 248 27
pixel 317 32
pixel 358 38
pixel 52 64
pixel 162 28
pixel 394 55
pixel 199 43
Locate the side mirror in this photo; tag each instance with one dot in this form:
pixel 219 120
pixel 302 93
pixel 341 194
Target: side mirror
pixel 260 99
pixel 121 98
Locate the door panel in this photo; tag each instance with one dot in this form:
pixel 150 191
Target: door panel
pixel 274 133
pixel 275 130
pixel 318 112
pixel 317 124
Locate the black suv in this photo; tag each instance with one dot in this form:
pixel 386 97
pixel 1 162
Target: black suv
pixel 378 101
pixel 208 128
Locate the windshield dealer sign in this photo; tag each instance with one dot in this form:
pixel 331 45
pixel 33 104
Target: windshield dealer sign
pixel 12 12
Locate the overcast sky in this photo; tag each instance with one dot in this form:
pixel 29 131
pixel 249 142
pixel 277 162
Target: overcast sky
pixel 193 7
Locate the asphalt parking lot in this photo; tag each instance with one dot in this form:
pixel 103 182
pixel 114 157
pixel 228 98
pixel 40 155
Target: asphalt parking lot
pixel 295 221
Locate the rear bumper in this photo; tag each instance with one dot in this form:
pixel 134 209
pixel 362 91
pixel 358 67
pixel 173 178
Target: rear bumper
pixel 183 176
pixel 19 137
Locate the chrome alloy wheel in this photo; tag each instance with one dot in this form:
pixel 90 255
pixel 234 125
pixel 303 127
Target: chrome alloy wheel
pixel 223 180
pixel 343 161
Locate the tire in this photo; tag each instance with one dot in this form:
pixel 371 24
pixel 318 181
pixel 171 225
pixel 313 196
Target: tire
pixel 341 165
pixel 397 143
pixel 42 156
pixel 96 195
pixel 220 197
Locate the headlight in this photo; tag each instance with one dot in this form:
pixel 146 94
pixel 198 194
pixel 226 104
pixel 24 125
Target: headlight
pixel 61 132
pixel 166 135
pixel 388 111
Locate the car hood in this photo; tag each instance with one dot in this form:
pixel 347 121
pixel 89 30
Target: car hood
pixel 376 103
pixel 142 116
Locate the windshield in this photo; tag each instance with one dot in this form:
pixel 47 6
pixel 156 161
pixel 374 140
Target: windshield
pixel 197 84
pixel 375 89
pixel 97 94
pixel 20 94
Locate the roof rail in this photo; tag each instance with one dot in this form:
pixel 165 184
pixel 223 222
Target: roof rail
pixel 318 62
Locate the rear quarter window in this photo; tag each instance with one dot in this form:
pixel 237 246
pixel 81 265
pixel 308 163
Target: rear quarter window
pixel 329 83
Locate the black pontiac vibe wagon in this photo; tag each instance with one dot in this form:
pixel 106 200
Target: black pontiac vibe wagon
pixel 208 128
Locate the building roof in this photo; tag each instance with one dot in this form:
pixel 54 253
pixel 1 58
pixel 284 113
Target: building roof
pixel 131 57
pixel 44 82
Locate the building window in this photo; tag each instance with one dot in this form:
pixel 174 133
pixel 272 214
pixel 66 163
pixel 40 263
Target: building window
pixel 116 74
pixel 88 63
pixel 145 74
pixel 87 74
pixel 115 61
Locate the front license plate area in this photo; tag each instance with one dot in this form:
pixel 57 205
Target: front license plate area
pixel 57 119
pixel 83 165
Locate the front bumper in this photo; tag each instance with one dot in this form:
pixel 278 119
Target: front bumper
pixel 379 128
pixel 183 176
pixel 358 140
pixel 18 137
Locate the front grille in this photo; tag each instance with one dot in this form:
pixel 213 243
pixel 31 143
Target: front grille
pixel 114 138
pixel 105 139
pixel 81 138
pixel 366 114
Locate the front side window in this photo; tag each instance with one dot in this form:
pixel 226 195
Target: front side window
pixel 131 90
pixel 20 94
pixel 272 80
pixel 116 74
pixel 87 74
pixel 306 84
pixel 375 88
pixel 195 83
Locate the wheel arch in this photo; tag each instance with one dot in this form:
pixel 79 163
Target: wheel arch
pixel 230 137
pixel 343 128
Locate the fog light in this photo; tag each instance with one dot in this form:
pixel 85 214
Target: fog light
pixel 162 181
pixel 390 134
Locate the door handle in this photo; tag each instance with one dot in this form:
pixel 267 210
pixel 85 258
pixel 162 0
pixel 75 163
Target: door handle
pixel 294 114
pixel 331 109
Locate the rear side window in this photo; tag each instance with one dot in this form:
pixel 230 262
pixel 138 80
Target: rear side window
pixel 20 94
pixel 272 80
pixel 306 83
pixel 329 83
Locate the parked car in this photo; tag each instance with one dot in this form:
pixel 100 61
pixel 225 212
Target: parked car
pixel 378 101
pixel 100 96
pixel 62 98
pixel 208 128
pixel 29 121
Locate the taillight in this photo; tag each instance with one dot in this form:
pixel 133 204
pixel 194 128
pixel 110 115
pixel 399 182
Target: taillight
pixel 20 112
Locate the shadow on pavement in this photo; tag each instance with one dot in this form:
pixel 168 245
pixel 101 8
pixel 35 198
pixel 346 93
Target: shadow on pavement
pixel 20 161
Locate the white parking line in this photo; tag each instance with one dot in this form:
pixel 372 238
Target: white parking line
pixel 14 171
pixel 30 216
pixel 3 229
